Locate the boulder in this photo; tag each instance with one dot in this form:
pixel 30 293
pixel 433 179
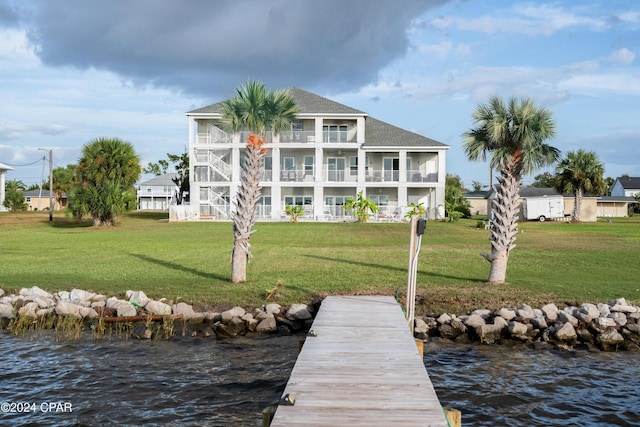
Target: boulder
pixel 88 312
pixel 35 291
pixel 491 333
pixel 43 302
pixel 29 309
pixel 517 329
pixel 267 324
pixel 526 312
pixel 485 314
pixel 142 333
pixel 539 322
pixel 68 309
pixel 566 333
pixel 604 309
pixel 250 322
pixel 550 311
pixel 420 326
pixel 444 318
pixel 81 297
pixel 609 340
pixel 605 322
pixel 566 317
pixel 138 297
pixel 125 309
pixel 233 328
pixel 474 321
pixel 1 292
pixel 231 313
pixel 619 318
pixel 507 313
pixel 157 307
pixel 452 330
pixel 6 311
pixel 298 312
pixel 183 309
pixel 272 308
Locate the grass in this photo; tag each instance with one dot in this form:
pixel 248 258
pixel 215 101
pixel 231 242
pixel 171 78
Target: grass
pixel 553 262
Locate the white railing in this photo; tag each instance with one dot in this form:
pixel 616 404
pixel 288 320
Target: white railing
pixel 419 176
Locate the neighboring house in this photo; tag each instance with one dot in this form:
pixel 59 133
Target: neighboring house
pixel 588 209
pixel 478 201
pixel 626 186
pixel 3 171
pixel 331 153
pixel 615 206
pixel 38 200
pixel 157 193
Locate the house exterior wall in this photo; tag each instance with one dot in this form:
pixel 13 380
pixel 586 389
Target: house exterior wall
pixel 478 206
pixel 321 162
pixel 588 208
pixel 619 191
pixel 613 209
pixel 35 203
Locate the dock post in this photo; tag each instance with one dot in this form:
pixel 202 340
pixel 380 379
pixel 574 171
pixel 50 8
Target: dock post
pixel 453 416
pixel 267 415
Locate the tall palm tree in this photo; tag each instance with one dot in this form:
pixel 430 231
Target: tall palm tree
pixel 106 172
pixel 256 110
pixel 578 173
pixel 513 136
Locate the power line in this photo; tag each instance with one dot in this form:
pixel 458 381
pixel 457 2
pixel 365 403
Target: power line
pixel 28 164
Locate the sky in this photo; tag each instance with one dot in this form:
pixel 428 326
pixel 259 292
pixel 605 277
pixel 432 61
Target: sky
pixel 72 71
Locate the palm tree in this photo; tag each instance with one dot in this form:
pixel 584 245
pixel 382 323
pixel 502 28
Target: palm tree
pixel 106 172
pixel 63 181
pixel 578 173
pixel 513 136
pixel 361 207
pixel 256 110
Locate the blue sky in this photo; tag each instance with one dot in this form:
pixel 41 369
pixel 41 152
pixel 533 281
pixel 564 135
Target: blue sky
pixel 74 70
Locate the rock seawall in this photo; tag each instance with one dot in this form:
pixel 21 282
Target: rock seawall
pixel 143 314
pixel 610 327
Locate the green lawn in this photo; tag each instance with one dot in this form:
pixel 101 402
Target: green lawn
pixel 553 262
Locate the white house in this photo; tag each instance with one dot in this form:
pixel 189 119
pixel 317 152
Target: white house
pixel 626 186
pixel 331 153
pixel 3 170
pixel 157 193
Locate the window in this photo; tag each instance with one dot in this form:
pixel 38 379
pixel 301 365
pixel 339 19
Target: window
pixel 380 200
pixel 308 165
pixel 298 200
pixel 289 163
pixel 334 133
pixel 353 165
pixel 335 169
pixel 268 163
pixel 28 199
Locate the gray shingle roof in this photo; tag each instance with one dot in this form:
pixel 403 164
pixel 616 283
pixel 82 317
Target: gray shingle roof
pixel 161 180
pixel 307 102
pixel 629 182
pixel 538 192
pixel 381 134
pixel 36 193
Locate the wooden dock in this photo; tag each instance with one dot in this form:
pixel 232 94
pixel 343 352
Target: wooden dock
pixel 362 368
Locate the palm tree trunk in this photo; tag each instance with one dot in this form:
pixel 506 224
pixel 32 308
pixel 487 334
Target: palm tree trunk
pixel 244 215
pixel 505 223
pixel 577 204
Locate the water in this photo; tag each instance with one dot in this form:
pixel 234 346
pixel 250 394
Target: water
pixel 503 386
pixel 187 382
pixel 209 382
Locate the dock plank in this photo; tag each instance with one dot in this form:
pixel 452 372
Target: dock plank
pixel 361 369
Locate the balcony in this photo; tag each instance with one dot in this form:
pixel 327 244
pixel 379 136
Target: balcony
pixel 419 176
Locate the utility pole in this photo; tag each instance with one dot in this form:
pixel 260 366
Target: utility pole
pixel 50 183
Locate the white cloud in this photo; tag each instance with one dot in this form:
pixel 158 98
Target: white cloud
pixel 622 56
pixel 15 49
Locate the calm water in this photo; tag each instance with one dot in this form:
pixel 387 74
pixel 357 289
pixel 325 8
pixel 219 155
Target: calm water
pixel 208 382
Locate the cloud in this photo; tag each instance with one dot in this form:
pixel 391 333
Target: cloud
pixel 207 47
pixel 530 19
pixel 622 56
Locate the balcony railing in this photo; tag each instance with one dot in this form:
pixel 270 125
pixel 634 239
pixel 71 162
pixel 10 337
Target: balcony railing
pixel 382 175
pixel 419 176
pixel 217 136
